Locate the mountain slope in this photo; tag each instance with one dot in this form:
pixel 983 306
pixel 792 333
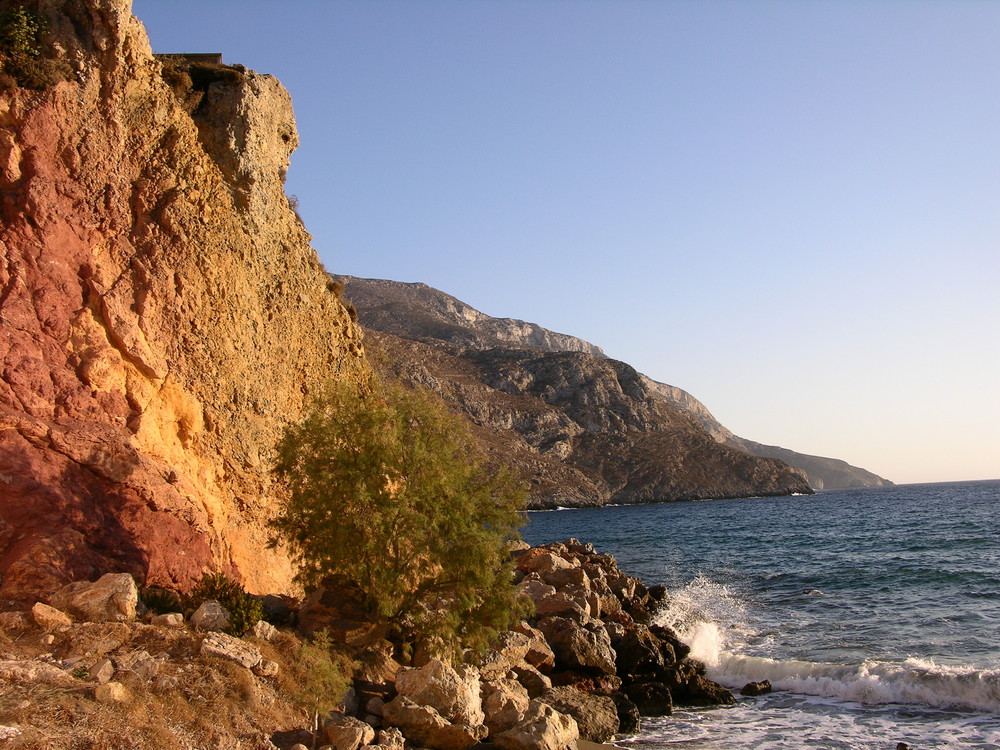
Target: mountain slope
pixel 421 313
pixel 581 430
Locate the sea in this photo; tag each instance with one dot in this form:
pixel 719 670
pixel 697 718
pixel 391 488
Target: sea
pixel 875 613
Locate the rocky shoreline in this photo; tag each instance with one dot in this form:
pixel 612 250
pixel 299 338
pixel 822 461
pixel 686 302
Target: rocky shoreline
pixel 585 668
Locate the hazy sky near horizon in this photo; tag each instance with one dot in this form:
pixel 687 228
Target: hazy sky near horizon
pixel 789 209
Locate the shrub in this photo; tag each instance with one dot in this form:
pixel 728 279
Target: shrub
pixel 335 287
pixel 322 676
pixel 244 610
pixel 388 490
pixel 161 601
pixel 21 32
pixel 21 61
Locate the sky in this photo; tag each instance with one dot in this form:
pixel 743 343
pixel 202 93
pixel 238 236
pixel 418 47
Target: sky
pixel 790 209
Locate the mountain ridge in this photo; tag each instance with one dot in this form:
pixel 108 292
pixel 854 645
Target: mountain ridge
pixel 403 309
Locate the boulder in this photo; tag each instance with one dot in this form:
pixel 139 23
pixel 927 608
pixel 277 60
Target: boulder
pixel 111 598
pixel 210 615
pixel 169 620
pixel 49 618
pixel 111 692
pixel 578 647
pixel 596 715
pixel 266 668
pixel 629 718
pixel 138 663
pixel 532 680
pixel 389 739
pixel 232 649
pixel 452 693
pixel 639 652
pixel 651 698
pixel 505 703
pixel 493 665
pixel 552 603
pixel 337 606
pixel 754 689
pixel 543 728
pixel 40 672
pixel 425 727
pixel 539 653
pixel 667 636
pixel 567 576
pixel 102 671
pixel 376 664
pixel 697 690
pixel 264 630
pixel 543 561
pixel 347 733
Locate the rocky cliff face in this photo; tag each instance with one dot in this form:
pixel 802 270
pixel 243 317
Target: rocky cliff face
pixel 163 314
pixel 419 313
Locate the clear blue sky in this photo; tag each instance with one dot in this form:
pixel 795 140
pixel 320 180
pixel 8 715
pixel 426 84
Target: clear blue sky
pixel 789 209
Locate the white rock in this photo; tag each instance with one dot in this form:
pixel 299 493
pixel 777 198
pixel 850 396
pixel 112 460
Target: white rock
pixel 169 620
pixel 49 618
pixel 233 649
pixel 264 630
pixel 111 692
pixel 210 616
pixel 452 693
pixel 112 598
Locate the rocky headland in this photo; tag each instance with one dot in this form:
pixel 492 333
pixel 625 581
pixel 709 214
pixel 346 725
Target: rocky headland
pixel 462 336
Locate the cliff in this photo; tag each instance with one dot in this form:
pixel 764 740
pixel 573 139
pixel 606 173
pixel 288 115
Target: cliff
pixel 163 313
pixel 543 438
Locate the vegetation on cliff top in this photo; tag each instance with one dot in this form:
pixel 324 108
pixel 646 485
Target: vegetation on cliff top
pixel 21 44
pixel 388 490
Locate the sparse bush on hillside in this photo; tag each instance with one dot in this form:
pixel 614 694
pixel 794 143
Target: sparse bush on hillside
pixel 388 490
pixel 244 610
pixel 321 675
pixel 21 61
pixel 161 601
pixel 335 287
pixel 21 32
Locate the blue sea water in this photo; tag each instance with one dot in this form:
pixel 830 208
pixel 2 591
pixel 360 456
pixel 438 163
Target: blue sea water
pixel 874 612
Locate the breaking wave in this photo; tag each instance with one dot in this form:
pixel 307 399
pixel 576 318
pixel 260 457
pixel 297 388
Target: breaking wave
pixel 713 620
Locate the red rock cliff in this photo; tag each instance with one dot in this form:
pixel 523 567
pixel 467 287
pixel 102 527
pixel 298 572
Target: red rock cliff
pixel 162 315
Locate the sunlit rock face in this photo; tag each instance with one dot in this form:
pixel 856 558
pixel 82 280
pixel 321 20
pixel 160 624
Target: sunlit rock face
pixel 163 316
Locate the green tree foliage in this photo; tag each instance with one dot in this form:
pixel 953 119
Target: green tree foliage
pixel 21 31
pixel 321 675
pixel 388 490
pixel 21 61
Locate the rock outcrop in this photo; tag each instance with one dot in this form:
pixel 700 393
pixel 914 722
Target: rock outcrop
pixel 417 312
pixel 163 314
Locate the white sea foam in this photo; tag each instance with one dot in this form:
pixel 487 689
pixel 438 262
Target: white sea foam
pixel 712 620
pixel 914 681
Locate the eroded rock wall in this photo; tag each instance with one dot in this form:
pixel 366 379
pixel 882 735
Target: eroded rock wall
pixel 162 314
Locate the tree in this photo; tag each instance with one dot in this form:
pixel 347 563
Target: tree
pixel 388 490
